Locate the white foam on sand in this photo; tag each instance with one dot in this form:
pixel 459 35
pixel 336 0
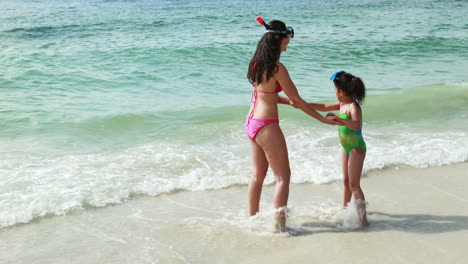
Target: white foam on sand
pixel 349 218
pixel 419 215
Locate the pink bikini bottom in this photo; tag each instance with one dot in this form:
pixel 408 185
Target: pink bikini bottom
pixel 254 125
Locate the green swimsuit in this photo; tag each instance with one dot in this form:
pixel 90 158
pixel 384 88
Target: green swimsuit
pixel 349 138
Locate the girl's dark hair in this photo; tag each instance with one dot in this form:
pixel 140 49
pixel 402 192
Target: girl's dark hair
pixel 353 86
pixel 267 54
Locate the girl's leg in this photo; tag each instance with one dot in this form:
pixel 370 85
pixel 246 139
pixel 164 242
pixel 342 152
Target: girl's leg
pixel 260 168
pixel 346 190
pixel 356 162
pixel 272 141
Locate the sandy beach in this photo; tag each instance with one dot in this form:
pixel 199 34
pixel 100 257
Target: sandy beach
pixel 416 216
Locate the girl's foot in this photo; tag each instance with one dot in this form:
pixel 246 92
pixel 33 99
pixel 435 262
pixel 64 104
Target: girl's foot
pixel 280 220
pixel 362 213
pixel 338 218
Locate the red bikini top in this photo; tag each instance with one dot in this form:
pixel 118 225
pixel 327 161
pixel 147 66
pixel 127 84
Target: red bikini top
pixel 277 90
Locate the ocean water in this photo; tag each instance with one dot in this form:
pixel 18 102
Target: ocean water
pixel 102 101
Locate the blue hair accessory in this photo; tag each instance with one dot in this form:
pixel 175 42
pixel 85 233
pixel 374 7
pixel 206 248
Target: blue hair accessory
pixel 335 75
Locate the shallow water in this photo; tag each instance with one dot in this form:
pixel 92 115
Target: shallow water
pixel 106 100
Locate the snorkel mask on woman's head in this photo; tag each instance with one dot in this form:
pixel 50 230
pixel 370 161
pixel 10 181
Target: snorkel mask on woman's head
pixel 289 32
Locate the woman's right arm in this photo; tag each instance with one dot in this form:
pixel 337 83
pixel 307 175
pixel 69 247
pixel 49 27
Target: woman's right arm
pixel 283 78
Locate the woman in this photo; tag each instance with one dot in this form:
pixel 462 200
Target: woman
pixel 269 77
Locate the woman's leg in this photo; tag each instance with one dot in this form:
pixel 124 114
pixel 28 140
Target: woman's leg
pixel 260 168
pixel 272 141
pixel 346 190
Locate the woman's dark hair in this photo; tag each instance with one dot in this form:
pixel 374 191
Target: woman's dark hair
pixel 267 54
pixel 352 86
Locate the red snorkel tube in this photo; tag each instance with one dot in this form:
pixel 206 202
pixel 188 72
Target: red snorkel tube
pixel 262 22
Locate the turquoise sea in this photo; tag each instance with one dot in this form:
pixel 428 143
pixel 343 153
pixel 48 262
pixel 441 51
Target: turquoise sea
pixel 103 101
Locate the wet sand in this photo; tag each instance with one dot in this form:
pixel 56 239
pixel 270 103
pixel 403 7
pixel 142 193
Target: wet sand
pixel 415 215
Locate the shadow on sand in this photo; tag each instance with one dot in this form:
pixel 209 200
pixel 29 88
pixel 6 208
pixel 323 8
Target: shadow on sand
pixel 379 221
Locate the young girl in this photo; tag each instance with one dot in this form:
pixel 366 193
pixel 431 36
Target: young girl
pixel 350 92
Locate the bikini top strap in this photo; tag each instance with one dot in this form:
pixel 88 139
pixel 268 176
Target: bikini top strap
pixel 254 98
pixel 348 107
pixel 264 91
pixel 346 111
pixel 254 101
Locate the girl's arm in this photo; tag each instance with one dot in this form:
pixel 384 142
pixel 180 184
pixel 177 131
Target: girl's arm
pixel 283 78
pixel 325 107
pixel 356 118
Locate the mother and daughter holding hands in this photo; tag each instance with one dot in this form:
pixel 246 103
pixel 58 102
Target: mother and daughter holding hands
pixel 269 77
